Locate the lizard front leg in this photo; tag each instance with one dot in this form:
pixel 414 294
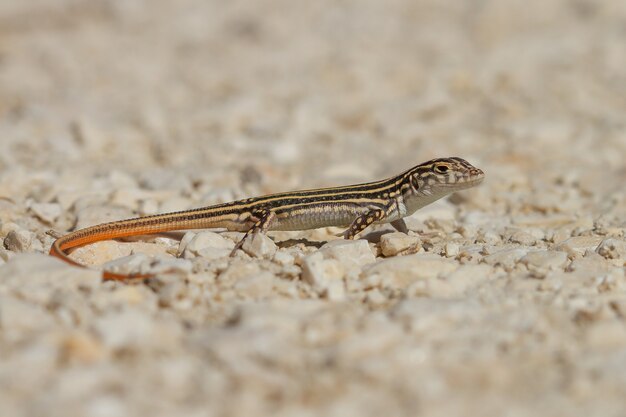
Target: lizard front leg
pixel 361 222
pixel 263 222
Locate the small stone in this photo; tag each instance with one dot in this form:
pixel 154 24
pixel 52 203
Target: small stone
pixel 7 227
pixel 403 271
pixel 506 258
pixel 238 270
pixel 451 249
pixel 538 234
pixel 392 244
pixel 375 297
pixel 523 238
pixel 578 245
pixel 259 245
pixel 20 241
pixel 168 265
pixel 318 271
pixel 284 258
pixel 592 264
pixel 467 231
pixel 545 260
pixel 211 254
pixel 467 277
pixel 206 244
pixel 182 245
pixel 470 254
pixel 560 235
pixel 36 276
pixel 132 264
pixel 490 238
pixel 612 248
pixel 352 254
pixel 98 253
pixel 47 212
pixel 336 290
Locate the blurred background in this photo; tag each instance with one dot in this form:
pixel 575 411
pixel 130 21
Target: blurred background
pixel 113 108
pixel 311 93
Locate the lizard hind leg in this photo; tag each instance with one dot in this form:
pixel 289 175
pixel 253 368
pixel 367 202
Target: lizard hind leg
pixel 361 222
pixel 263 222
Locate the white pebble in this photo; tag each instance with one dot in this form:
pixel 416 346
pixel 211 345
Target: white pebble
pixel 523 238
pixel 545 260
pixel 506 257
pixel 132 264
pixel 392 244
pixel 352 254
pixel 47 212
pixel 336 290
pixel 205 244
pixel 404 270
pixel 612 248
pixel 284 258
pixel 259 245
pixel 318 271
pixel 22 241
pixel 578 245
pixel 451 249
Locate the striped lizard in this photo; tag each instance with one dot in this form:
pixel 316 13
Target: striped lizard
pixel 354 206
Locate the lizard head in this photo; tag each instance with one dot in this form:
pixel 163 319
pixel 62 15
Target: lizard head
pixel 442 176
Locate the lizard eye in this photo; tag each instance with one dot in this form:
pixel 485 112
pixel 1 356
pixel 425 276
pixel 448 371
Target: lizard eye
pixel 441 169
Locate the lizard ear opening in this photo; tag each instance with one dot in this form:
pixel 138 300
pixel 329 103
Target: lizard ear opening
pixel 415 182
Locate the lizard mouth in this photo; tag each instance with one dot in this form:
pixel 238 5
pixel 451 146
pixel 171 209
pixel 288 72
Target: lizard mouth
pixel 471 179
pixel 475 177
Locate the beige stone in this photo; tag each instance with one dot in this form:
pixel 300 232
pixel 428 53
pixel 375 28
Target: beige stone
pixel 613 248
pixel 352 254
pixel 259 245
pixel 22 241
pixel 579 244
pixel 319 271
pixel 402 271
pixel 506 258
pixel 545 260
pixel 392 244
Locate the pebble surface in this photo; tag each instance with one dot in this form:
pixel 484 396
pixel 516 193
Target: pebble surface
pixel 506 299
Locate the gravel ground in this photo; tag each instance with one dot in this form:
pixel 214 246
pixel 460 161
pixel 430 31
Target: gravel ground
pixel 508 299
